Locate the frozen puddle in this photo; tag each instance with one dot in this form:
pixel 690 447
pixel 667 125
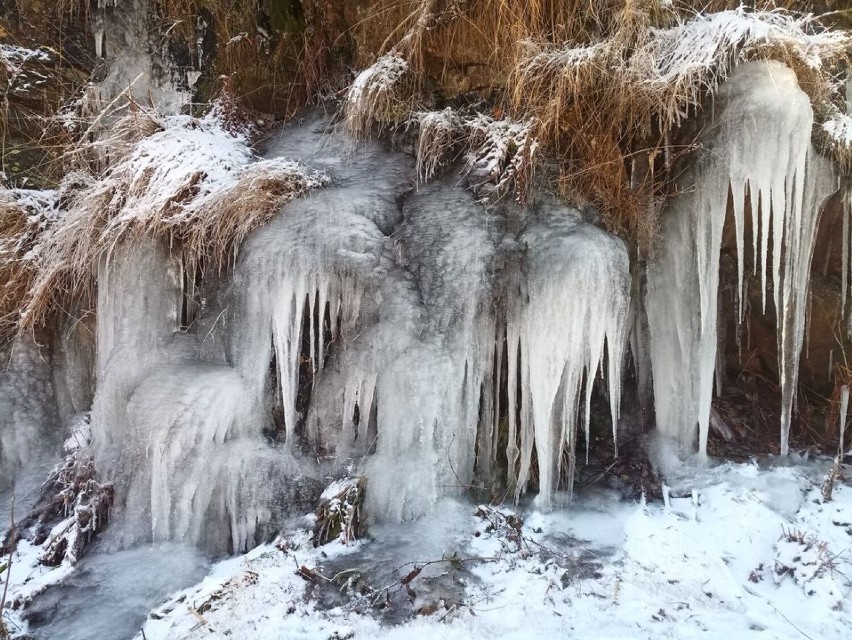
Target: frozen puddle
pixel 109 595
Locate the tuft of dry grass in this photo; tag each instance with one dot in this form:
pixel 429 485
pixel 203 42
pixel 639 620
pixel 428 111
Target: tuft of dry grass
pixel 24 218
pixel 500 153
pixel 185 180
pixel 440 133
pixel 835 137
pixel 380 96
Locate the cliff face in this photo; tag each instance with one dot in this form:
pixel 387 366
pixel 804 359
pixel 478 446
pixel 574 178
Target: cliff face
pixel 506 201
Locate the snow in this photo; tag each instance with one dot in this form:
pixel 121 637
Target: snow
pixel 373 96
pixel 839 129
pixel 381 76
pixel 500 154
pixel 759 143
pixel 708 565
pixel 38 209
pixel 177 175
pixel 21 76
pixel 700 53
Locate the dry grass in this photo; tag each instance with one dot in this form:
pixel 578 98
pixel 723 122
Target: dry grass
pixel 22 222
pixel 603 104
pixel 16 274
pixel 219 227
pixel 598 89
pixel 184 180
pixel 380 97
pixel 606 84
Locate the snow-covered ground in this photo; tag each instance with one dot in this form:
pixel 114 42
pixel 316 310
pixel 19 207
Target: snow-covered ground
pixel 737 550
pixel 749 550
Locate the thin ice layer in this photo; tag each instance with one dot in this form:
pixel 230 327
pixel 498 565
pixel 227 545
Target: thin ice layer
pixel 757 150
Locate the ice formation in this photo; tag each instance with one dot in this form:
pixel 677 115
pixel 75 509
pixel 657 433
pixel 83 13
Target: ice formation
pixel 413 334
pixel 574 313
pixel 757 152
pixel 395 313
pixel 28 419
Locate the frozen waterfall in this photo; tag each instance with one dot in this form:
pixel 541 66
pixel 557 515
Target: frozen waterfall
pixel 412 335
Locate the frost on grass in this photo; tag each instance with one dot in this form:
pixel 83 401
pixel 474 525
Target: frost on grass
pixel 500 154
pixel 677 66
pixel 668 71
pixel 378 95
pixel 25 218
pixel 179 178
pixel 837 138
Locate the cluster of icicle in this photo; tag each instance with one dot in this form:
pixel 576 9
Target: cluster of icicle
pixel 413 376
pixel 757 150
pixel 445 345
pixel 414 325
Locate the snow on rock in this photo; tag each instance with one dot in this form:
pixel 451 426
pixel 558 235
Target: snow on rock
pixel 758 149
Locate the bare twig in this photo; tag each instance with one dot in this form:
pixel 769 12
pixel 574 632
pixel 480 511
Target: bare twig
pixel 8 566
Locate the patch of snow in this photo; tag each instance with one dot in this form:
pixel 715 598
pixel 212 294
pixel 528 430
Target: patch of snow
pixel 598 570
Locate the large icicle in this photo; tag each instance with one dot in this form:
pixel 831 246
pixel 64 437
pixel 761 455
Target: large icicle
pixel 437 329
pixel 572 316
pixel 757 149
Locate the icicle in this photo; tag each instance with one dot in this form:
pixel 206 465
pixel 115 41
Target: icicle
pixel 512 450
pixel 844 409
pixel 760 137
pixel 575 266
pixel 100 35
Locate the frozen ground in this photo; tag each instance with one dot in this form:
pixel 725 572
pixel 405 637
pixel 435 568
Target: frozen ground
pixel 725 563
pixel 739 550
